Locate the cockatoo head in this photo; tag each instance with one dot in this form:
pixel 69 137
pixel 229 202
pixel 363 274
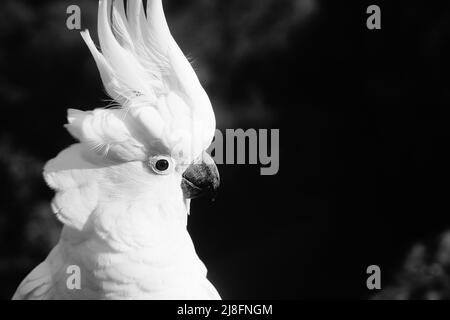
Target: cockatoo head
pixel 150 143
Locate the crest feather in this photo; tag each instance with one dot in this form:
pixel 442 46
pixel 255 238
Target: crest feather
pixel 143 70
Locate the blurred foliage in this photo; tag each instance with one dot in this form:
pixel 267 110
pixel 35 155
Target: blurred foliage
pixel 28 228
pixel 425 274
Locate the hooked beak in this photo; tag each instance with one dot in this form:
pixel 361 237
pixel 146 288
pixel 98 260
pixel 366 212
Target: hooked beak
pixel 201 178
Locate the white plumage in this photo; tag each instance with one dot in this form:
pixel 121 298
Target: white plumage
pixel 125 220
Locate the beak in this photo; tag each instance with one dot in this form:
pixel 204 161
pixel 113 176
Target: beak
pixel 201 178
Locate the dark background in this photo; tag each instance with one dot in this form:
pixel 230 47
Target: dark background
pixel 363 121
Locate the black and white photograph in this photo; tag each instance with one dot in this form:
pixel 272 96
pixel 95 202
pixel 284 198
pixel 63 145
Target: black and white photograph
pixel 206 150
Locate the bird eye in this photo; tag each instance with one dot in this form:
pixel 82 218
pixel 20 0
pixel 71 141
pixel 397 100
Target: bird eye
pixel 161 164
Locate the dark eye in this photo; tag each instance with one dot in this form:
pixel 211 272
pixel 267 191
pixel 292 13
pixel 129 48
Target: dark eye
pixel 162 164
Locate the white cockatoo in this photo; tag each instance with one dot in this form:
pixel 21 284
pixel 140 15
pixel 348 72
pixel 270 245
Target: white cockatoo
pixel 123 191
